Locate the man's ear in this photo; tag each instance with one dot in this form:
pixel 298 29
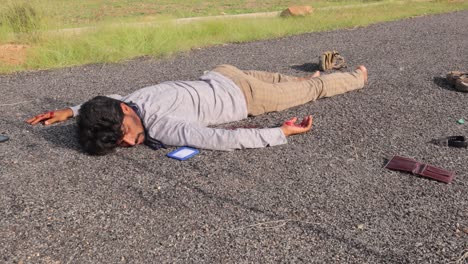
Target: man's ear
pixel 125 108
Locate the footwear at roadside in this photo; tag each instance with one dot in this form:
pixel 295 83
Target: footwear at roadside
pixel 462 84
pixel 452 76
pixel 331 60
pixel 459 80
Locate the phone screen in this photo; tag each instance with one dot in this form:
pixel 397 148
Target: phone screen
pixel 183 153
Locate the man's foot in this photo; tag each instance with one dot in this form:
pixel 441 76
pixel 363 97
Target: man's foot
pixel 364 72
pixel 316 74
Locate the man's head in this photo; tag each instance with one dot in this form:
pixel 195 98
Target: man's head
pixel 105 123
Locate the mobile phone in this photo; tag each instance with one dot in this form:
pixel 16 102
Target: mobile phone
pixel 3 138
pixel 183 153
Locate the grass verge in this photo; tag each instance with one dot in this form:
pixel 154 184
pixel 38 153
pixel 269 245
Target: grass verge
pixel 111 43
pixel 75 13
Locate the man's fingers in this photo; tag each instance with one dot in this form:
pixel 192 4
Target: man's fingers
pixel 41 117
pixel 51 121
pixel 290 128
pixel 36 119
pixel 291 121
pixel 309 122
pixel 306 122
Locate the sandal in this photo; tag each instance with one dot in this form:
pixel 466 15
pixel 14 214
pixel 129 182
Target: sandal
pixel 461 84
pixel 453 76
pixel 331 60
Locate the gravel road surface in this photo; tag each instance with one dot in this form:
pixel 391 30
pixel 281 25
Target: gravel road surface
pixel 322 198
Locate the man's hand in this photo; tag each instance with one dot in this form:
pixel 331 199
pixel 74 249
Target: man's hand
pixel 291 128
pixel 51 117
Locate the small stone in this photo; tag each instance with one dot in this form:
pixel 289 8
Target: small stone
pixel 461 121
pixel 360 226
pixel 3 138
pixel 297 11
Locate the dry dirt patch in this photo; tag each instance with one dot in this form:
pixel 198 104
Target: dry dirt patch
pixel 13 54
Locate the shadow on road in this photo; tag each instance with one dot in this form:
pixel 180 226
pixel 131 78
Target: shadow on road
pixel 442 83
pixel 306 67
pixel 61 136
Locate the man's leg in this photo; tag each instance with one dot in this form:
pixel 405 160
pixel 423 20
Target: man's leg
pixel 276 97
pixel 263 97
pixel 271 77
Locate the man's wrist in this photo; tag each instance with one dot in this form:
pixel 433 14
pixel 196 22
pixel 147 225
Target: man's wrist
pixel 69 112
pixel 285 131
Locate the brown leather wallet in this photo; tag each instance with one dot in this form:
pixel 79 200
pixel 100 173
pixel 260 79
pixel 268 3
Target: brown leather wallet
pixel 422 169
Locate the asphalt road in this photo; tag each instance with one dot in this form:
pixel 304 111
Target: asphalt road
pixel 322 198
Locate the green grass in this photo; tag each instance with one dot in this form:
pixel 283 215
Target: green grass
pixel 111 43
pixel 72 13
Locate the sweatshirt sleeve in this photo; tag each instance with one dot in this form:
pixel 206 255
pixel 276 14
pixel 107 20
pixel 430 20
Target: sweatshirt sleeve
pixel 76 108
pixel 180 133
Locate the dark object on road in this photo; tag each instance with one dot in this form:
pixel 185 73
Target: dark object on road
pixel 426 170
pixel 331 60
pixel 453 141
pixel 3 138
pixel 459 80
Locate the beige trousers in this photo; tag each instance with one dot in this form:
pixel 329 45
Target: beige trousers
pixel 268 92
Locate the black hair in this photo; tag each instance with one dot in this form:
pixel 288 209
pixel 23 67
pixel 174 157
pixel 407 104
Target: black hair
pixel 100 125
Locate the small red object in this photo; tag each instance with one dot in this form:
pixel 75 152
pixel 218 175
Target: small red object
pixel 51 114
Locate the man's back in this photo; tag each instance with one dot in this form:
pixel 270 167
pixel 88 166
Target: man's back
pixel 214 99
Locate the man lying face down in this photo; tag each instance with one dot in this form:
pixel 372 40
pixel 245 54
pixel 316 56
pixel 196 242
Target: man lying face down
pixel 179 113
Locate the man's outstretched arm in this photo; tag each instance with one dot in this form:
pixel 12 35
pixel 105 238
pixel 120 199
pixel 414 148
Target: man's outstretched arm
pixel 180 133
pixel 51 117
pixel 61 115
